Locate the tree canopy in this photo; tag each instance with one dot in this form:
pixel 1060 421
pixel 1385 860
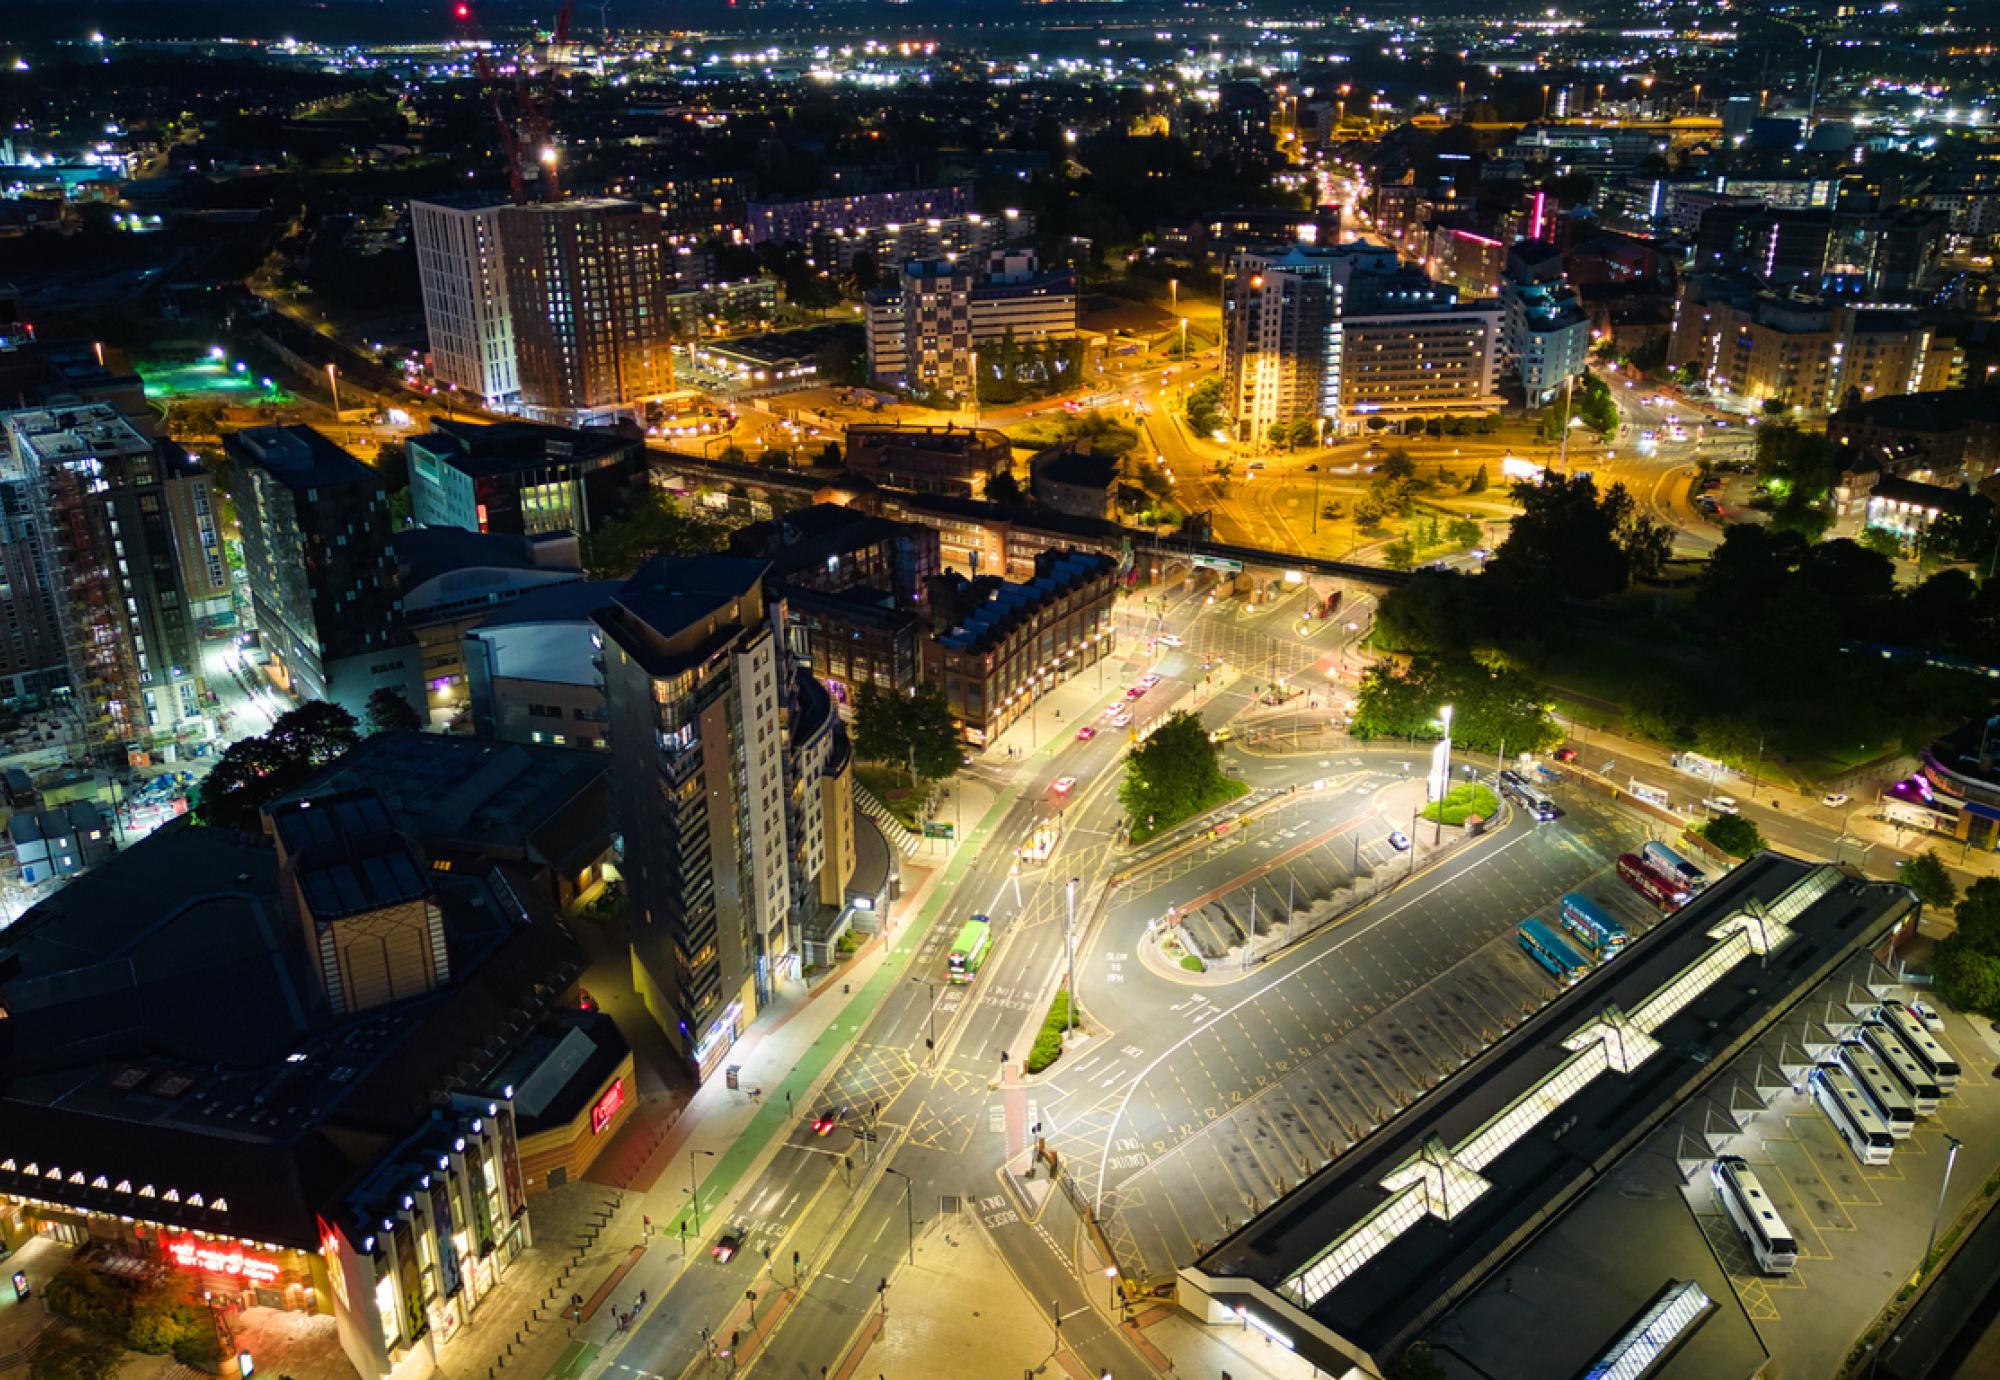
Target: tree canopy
pixel 1734 835
pixel 916 730
pixel 1175 773
pixel 1929 878
pixel 254 771
pixel 1572 542
pixel 389 712
pixel 1494 709
pixel 652 526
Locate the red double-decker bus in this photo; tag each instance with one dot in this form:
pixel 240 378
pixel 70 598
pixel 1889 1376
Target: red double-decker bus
pixel 1634 872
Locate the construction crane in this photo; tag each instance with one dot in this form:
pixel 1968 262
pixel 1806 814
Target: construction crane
pixel 532 128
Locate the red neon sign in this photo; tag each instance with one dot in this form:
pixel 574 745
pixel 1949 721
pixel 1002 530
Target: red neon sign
pixel 607 1107
pixel 218 1258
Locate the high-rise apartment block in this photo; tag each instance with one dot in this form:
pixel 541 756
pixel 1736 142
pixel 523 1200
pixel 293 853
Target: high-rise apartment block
pixel 559 309
pixel 465 297
pixel 796 220
pixel 1806 351
pixel 1346 334
pixel 923 332
pixel 1545 334
pixel 322 574
pixel 108 584
pixel 720 752
pixel 587 285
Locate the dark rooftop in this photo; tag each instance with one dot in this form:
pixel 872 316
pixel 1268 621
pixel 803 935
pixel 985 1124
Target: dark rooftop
pixel 480 448
pixel 504 799
pixel 424 553
pixel 1380 1242
pixel 299 457
pixel 349 857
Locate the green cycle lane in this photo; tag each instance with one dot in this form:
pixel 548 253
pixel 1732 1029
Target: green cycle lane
pixel 736 1161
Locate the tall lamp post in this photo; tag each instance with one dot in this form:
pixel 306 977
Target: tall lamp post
pixel 1444 780
pixel 694 1189
pixel 909 1206
pixel 1950 1159
pixel 1069 943
pixel 333 385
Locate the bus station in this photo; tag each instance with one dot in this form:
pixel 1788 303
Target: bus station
pixel 1376 1249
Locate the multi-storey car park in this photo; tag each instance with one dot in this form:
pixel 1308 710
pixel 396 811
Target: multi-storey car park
pixel 1370 1252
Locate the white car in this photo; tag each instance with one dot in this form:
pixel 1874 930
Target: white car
pixel 1064 784
pixel 1720 804
pixel 1399 840
pixel 1929 1016
pixel 1121 718
pixel 1833 800
pixel 1171 640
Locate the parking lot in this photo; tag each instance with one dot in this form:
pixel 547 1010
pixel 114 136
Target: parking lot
pixel 1232 1094
pixel 1860 1229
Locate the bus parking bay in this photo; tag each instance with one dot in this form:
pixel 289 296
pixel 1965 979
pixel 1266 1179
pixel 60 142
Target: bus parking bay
pixel 1246 1088
pixel 1859 1229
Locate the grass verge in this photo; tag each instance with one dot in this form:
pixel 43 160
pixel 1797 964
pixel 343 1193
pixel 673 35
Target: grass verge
pixel 1048 1040
pixel 1461 803
pixel 1228 789
pixel 892 786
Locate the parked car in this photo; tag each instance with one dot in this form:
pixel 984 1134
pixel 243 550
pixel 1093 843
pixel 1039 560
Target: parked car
pixel 1399 840
pixel 1833 800
pixel 1926 1013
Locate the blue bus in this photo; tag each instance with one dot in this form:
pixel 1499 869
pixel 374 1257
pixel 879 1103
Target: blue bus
pixel 1588 921
pixel 1541 944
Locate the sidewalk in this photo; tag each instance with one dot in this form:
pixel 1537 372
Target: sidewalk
pixel 949 1314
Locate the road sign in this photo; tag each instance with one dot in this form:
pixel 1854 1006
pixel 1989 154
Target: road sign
pixel 1222 563
pixel 938 831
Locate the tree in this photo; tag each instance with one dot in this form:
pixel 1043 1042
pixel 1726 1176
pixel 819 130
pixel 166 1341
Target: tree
pixel 1397 464
pixel 1570 542
pixel 389 712
pixel 1734 835
pixel 827 457
pixel 1462 531
pixel 1882 542
pixel 1927 876
pixel 254 771
pixel 1004 488
pixel 915 730
pixel 651 526
pixel 67 1355
pixel 1303 432
pixel 1399 554
pixel 1967 978
pixel 1175 773
pixel 1477 484
pixel 1416 1363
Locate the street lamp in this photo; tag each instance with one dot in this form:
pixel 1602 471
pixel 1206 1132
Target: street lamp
pixel 694 1189
pixel 1111 1286
pixel 1950 1159
pixel 909 1206
pixel 333 384
pixel 1069 941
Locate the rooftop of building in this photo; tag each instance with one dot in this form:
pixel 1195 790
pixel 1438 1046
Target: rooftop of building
pixel 298 457
pixel 1934 412
pixel 424 554
pixel 1935 497
pixel 671 593
pixel 859 604
pixel 1085 469
pixel 58 822
pixel 573 602
pixel 949 439
pixel 172 1058
pixel 1007 603
pixel 486 448
pixel 52 435
pixel 779 349
pixel 1417 1214
pixel 557 1070
pixel 347 854
pixel 807 537
pixel 503 799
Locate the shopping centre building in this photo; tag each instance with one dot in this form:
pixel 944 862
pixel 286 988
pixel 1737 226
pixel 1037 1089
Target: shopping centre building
pixel 315 1069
